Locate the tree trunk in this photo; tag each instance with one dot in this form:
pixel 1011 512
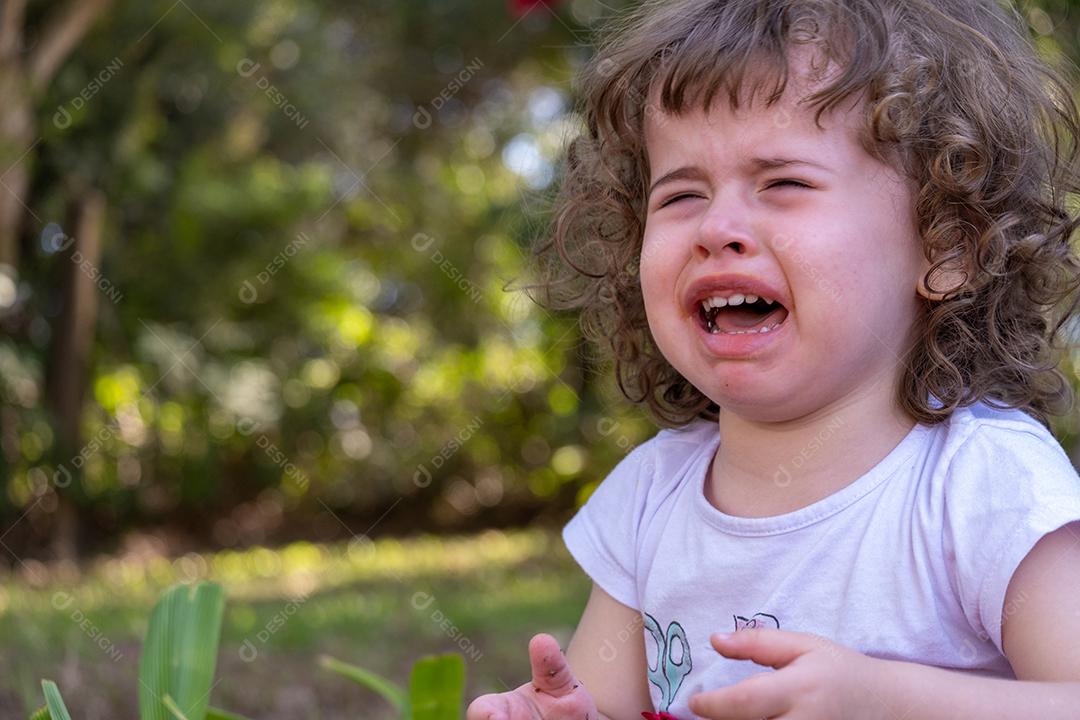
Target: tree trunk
pixel 24 76
pixel 73 341
pixel 16 141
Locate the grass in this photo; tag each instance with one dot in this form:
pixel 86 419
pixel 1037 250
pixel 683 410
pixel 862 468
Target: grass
pixel 379 605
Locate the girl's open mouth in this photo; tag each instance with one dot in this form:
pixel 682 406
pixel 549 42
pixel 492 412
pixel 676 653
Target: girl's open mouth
pixel 744 319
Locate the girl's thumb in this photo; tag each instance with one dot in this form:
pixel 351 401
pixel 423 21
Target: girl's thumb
pixel 551 673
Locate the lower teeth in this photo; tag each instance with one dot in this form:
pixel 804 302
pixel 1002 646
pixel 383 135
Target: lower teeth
pixel 717 331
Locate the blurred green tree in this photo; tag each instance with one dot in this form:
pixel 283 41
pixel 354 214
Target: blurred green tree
pixel 273 239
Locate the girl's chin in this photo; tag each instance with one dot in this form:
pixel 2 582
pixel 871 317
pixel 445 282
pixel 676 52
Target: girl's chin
pixel 753 399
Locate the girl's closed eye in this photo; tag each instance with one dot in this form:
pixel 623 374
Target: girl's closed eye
pixel 787 182
pixel 779 183
pixel 676 198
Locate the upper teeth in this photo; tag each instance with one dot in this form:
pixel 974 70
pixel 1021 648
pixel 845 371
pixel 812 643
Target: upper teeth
pixel 733 299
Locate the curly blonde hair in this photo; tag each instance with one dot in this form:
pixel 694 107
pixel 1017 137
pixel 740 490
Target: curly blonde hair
pixel 956 98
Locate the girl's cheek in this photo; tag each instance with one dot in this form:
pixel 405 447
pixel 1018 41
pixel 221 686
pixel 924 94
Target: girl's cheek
pixel 650 243
pixel 662 253
pixel 647 291
pixel 657 294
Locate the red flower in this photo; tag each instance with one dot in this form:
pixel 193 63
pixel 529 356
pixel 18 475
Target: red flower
pixel 658 716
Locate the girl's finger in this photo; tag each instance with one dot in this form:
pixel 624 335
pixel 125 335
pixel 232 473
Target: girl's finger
pixel 759 696
pixel 551 673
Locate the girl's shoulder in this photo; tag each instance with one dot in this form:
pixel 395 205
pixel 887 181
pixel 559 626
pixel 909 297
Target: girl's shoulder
pixel 1000 444
pixel 667 456
pixel 1001 482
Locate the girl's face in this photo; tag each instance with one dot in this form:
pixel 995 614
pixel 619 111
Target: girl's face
pixel 830 235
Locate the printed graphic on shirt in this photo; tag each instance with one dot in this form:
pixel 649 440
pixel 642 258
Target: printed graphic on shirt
pixel 672 659
pixel 759 620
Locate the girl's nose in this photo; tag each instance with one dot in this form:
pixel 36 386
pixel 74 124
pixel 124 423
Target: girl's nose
pixel 724 228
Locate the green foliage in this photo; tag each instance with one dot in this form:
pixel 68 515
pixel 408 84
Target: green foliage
pixel 218 714
pixel 248 380
pixel 505 579
pixel 55 703
pixel 179 654
pixel 176 668
pixel 495 587
pixel 436 686
pixel 372 681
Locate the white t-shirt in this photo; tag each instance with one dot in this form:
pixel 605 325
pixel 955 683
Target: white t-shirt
pixel 909 562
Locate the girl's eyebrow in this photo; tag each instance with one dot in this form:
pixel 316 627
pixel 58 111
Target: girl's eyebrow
pixel 693 172
pixel 687 172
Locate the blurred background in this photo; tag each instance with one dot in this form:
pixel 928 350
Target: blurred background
pixel 254 329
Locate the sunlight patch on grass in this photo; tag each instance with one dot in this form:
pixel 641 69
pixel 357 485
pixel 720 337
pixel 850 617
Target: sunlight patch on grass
pixel 265 574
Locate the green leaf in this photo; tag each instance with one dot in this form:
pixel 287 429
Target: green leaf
pixel 391 692
pixel 437 687
pixel 42 713
pixel 214 713
pixel 170 705
pixel 180 652
pixel 55 703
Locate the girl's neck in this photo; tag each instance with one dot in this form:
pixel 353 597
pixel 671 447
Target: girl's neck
pixel 765 469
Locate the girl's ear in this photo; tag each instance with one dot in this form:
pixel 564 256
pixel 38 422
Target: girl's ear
pixel 950 276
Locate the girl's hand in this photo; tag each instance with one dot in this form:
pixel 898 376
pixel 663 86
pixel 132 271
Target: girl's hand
pixel 553 694
pixel 816 679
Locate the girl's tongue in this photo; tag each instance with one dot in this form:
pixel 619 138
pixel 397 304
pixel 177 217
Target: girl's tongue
pixel 745 317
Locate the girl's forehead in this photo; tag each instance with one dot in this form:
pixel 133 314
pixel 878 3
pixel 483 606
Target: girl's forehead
pixel 759 138
pixel 808 73
pixel 787 122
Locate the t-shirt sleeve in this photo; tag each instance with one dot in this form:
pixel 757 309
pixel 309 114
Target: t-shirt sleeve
pixel 1005 489
pixel 602 535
